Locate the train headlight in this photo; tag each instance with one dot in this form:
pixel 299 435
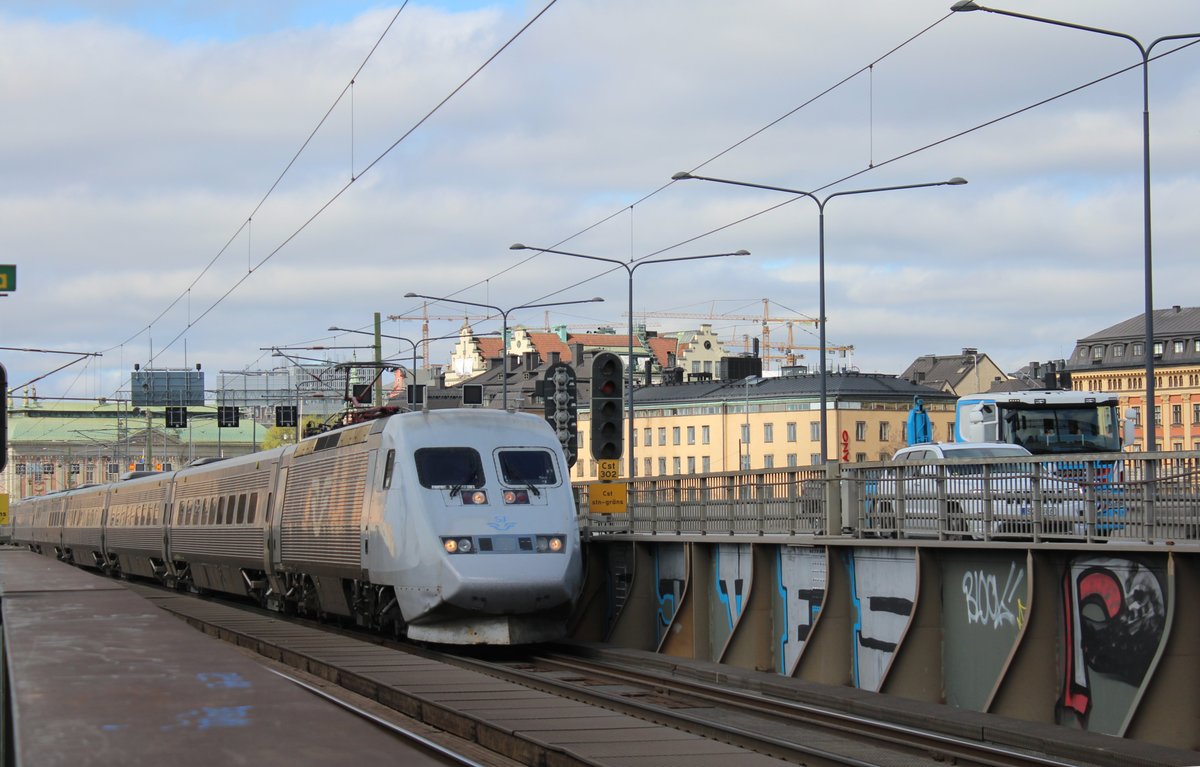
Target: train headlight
pixel 450 545
pixel 464 545
pixel 543 544
pixel 475 498
pixel 516 496
pixel 556 544
pixel 458 545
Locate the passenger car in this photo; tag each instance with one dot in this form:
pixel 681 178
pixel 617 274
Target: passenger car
pixel 981 490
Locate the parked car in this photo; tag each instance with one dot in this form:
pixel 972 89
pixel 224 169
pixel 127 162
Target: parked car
pixel 976 489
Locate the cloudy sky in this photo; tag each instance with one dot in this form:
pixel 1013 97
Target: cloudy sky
pixel 189 182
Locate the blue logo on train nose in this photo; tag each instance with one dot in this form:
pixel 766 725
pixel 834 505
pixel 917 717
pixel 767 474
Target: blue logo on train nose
pixel 501 524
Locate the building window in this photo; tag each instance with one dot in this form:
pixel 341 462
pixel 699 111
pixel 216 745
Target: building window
pixel 860 457
pixel 1178 347
pixel 691 464
pixel 744 462
pixel 1137 349
pixel 633 436
pixel 1083 352
pixel 815 459
pixel 691 431
pixel 695 366
pixel 745 434
pixel 662 466
pixel 1118 350
pixel 769 461
pixel 1195 413
pixel 791 431
pixel 791 460
pixel 662 435
pixel 1177 446
pixel 885 431
pixel 1176 415
pixel 1158 348
pixel 950 432
pixel 675 435
pixel 860 430
pixel 676 466
pixel 1158 415
pixel 814 431
pixel 647 467
pixel 705 464
pixel 1196 345
pixel 768 432
pixel 1098 352
pixel 705 435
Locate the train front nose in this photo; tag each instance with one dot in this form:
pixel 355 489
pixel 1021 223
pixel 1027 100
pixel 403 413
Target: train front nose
pixel 512 582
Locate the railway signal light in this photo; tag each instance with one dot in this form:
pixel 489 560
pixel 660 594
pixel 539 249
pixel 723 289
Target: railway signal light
pixel 176 417
pixel 285 416
pixel 608 414
pixel 228 416
pixel 559 393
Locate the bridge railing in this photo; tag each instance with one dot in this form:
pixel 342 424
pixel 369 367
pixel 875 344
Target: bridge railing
pixel 1143 497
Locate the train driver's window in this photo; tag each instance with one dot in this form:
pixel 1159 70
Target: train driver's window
pixel 453 467
pixel 527 467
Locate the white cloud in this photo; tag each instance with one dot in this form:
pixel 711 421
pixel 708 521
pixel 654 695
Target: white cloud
pixel 135 149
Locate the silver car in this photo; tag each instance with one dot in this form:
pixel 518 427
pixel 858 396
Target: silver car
pixel 981 490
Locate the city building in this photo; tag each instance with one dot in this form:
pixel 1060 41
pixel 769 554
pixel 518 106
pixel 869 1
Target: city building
pixel 763 423
pixel 56 445
pixel 1114 360
pixel 970 372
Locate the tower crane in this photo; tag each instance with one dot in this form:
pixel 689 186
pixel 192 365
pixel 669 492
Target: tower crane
pixel 786 351
pixel 425 318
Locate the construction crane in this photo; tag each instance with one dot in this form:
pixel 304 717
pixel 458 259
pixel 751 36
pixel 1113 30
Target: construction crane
pixel 786 351
pixel 425 318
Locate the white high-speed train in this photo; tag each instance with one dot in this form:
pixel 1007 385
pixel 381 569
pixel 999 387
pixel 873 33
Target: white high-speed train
pixel 450 526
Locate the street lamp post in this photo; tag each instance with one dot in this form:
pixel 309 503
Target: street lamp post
pixel 1144 50
pixel 504 332
pixel 630 267
pixel 820 201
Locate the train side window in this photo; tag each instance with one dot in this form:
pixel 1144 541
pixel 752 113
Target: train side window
pixel 388 467
pixel 230 505
pixel 527 467
pixel 221 512
pixel 253 506
pixel 241 517
pixel 449 467
pixel 243 503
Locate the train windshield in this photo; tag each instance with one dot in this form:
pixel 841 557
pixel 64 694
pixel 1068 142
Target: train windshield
pixel 527 467
pixel 455 467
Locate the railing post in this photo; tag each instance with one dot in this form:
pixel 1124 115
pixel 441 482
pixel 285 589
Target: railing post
pixel 833 498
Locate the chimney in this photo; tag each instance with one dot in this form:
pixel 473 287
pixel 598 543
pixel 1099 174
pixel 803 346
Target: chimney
pixel 1035 370
pixel 754 353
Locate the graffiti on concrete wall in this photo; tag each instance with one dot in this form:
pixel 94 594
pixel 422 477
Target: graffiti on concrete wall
pixel 1114 619
pixel 991 599
pixel 731 586
pixel 800 590
pixel 670 573
pixel 883 588
pixel 984 597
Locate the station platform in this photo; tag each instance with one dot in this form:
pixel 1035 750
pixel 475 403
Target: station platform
pixel 96 674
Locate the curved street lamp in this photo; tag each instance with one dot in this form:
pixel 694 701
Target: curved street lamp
pixel 504 333
pixel 820 201
pixel 630 267
pixel 1144 50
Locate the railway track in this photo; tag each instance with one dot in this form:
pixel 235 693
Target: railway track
pixel 577 705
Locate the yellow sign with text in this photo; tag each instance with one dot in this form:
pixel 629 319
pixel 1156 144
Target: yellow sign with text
pixel 3 509
pixel 608 498
pixel 609 469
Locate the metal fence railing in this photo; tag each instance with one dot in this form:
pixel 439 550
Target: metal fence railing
pixel 1145 497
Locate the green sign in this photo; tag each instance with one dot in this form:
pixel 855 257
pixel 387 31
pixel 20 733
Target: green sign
pixel 8 277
